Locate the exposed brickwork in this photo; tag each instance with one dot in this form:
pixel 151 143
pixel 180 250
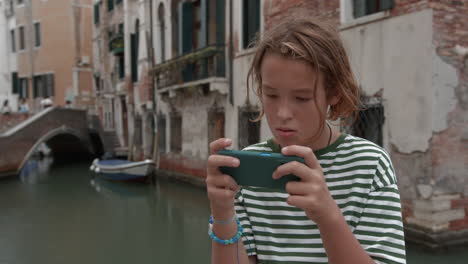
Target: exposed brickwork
pixel 184 165
pixel 407 209
pixel 277 9
pixel 11 120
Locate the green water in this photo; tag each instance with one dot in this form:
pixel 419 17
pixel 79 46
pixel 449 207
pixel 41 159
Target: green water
pixel 63 215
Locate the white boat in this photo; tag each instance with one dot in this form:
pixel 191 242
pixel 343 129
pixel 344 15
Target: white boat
pixel 123 170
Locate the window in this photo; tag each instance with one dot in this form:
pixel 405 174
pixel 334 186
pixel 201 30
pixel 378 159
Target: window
pixel 162 30
pixel 121 67
pixel 43 85
pixel 96 13
pixel 23 88
pixel 134 42
pixel 110 5
pixel 161 134
pixel 19 2
pixel 366 7
pixel 13 40
pixel 21 40
pixel 216 120
pixel 14 83
pixel 176 133
pixel 249 132
pixel 37 34
pixel 369 124
pixel 251 21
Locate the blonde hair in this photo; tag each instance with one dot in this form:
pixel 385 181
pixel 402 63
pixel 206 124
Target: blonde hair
pixel 319 45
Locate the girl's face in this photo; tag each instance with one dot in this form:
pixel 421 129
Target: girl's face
pixel 291 103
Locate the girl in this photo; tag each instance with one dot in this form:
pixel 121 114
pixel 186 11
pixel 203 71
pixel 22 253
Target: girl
pixel 346 207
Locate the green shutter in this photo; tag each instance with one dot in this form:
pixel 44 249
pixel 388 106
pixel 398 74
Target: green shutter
pixel 50 84
pixel 96 14
pixel 14 82
pixel 255 22
pixel 371 7
pixel 220 22
pixel 36 87
pixel 186 29
pixel 133 58
pixel 110 5
pixel 359 8
pixel 121 67
pixel 203 40
pixel 251 11
pixel 245 25
pixel 386 4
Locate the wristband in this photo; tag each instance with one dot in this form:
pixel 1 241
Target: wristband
pixel 230 241
pixel 222 222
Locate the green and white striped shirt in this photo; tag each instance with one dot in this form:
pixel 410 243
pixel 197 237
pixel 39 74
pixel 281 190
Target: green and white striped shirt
pixel 361 179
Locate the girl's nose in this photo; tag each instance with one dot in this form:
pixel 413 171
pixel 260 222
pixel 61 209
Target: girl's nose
pixel 284 111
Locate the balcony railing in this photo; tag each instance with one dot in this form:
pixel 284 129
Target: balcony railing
pixel 116 45
pixel 197 65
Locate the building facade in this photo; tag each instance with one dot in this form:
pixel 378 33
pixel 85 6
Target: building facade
pixel 8 66
pixel 409 56
pixel 53 49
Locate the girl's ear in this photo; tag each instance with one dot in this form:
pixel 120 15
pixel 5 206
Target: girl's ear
pixel 334 100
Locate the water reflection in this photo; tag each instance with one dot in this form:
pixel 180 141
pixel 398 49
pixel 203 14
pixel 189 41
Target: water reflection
pixel 36 170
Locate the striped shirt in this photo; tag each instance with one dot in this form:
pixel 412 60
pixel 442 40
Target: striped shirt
pixel 361 180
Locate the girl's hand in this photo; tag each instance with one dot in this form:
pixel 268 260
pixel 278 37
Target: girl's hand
pixel 221 188
pixel 311 193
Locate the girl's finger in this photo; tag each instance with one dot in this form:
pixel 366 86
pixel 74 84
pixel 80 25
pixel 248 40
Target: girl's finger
pixel 294 167
pixel 219 144
pixel 300 188
pixel 304 152
pixel 216 161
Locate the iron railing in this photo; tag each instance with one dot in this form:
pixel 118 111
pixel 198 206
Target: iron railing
pixel 197 65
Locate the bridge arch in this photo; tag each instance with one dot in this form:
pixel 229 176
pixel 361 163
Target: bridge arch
pixel 59 139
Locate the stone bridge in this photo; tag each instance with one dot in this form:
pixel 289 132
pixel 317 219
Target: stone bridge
pixel 67 132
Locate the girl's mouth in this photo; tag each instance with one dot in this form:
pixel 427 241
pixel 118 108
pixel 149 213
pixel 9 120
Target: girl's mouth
pixel 285 132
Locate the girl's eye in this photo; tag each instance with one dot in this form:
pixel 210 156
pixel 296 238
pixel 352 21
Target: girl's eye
pixel 302 99
pixel 272 96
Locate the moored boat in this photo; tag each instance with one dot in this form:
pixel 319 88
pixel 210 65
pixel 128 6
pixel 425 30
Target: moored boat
pixel 123 170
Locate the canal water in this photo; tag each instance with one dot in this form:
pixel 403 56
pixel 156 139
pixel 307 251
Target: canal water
pixel 62 214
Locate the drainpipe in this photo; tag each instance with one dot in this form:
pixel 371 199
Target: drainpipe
pixel 231 55
pixel 29 30
pixel 153 90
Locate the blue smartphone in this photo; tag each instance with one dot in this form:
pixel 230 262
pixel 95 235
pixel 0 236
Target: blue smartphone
pixel 256 168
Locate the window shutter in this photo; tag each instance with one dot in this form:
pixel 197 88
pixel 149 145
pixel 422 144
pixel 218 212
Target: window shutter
pixel 359 8
pixel 255 22
pixel 48 84
pixel 186 27
pixel 96 14
pixel 203 40
pixel 14 82
pixel 220 22
pixel 36 87
pixel 134 59
pixel 387 4
pixel 110 5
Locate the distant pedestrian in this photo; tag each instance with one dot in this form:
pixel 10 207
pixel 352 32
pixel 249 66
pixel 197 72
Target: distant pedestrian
pixel 46 102
pixel 6 109
pixel 23 107
pixel 68 104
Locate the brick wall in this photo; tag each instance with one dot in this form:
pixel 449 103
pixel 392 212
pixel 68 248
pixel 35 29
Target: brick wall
pixel 184 165
pixel 11 120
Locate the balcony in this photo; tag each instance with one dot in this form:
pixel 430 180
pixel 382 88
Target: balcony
pixel 116 45
pixel 205 63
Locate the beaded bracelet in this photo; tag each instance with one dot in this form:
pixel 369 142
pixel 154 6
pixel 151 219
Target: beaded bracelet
pixel 230 241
